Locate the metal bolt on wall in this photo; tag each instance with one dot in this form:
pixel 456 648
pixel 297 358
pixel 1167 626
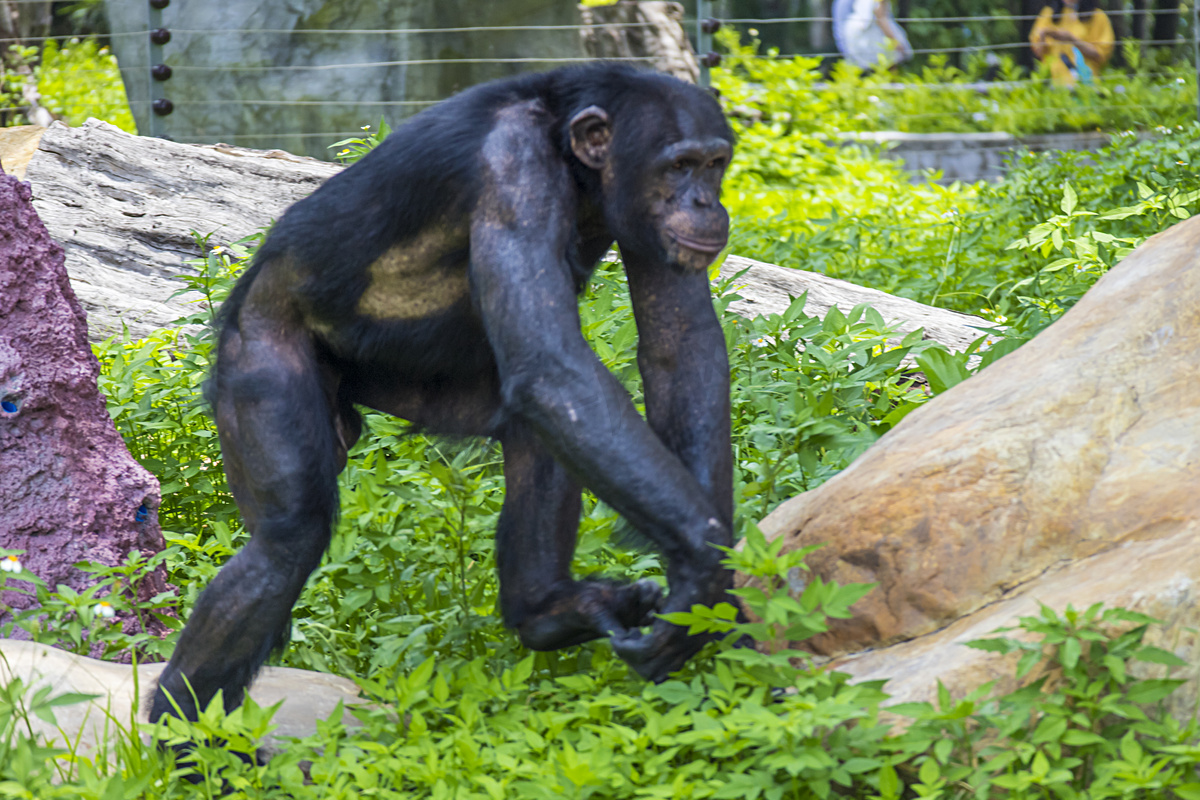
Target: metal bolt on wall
pixel 160 73
pixel 706 26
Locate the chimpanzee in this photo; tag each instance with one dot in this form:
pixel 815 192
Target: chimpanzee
pixel 437 280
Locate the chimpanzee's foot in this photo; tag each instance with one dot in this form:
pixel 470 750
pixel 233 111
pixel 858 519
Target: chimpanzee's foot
pixel 587 610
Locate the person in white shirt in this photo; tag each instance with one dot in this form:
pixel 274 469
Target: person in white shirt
pixel 865 30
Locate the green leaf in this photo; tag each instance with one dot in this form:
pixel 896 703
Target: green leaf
pixel 1070 652
pixel 1040 765
pixel 1131 751
pixel 1151 691
pixel 890 785
pixel 1028 662
pixel 1055 266
pixel 1069 199
pixel 1049 729
pixel 1156 655
pixel 1078 738
pixel 994 645
pixel 942 369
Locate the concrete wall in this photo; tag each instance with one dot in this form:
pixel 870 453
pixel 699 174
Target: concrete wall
pixel 968 157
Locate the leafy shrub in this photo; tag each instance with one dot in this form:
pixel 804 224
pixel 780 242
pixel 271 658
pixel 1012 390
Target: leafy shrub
pixel 756 723
pixel 801 201
pixel 80 79
pixel 942 98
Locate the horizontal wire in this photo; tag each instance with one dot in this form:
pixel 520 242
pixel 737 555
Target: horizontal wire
pixel 933 50
pixel 987 18
pixel 981 87
pixel 181 103
pixel 221 137
pixel 388 31
pixel 1043 109
pixel 72 36
pixel 405 63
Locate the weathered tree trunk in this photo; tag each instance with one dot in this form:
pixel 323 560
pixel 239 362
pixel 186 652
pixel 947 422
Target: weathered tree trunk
pixel 125 209
pixel 648 30
pixel 1166 23
pixel 24 20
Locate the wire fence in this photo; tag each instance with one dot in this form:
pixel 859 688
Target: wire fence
pixel 273 85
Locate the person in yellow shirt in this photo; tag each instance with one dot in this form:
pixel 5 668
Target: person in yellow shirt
pixel 1075 38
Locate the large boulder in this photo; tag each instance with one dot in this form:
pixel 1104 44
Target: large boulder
pixel 69 490
pixel 1067 471
pixel 1158 576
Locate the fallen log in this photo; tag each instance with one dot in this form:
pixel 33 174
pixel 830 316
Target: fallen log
pixel 127 209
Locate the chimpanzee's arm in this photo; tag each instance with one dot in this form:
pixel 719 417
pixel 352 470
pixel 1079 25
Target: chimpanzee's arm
pixel 551 378
pixel 685 372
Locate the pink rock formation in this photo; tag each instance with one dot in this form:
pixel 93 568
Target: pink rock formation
pixel 69 489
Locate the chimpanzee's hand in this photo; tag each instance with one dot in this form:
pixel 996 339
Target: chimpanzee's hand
pixel 656 655
pixel 667 647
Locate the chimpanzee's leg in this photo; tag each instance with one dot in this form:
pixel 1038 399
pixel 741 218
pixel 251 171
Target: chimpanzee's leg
pixel 276 416
pixel 535 541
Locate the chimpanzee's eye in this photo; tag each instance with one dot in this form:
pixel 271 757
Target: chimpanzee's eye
pixel 679 165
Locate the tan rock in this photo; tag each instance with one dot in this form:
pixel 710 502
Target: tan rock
pixel 1084 441
pixel 307 696
pixel 1159 577
pixel 17 146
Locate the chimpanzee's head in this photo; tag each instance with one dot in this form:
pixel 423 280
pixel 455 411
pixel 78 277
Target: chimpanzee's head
pixel 661 154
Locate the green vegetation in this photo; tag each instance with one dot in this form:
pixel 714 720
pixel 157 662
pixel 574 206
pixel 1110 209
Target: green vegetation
pixel 941 98
pixel 404 602
pixel 80 79
pixel 76 80
pixel 735 723
pixel 803 200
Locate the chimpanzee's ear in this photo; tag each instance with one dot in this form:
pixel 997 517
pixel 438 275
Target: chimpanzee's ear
pixel 590 136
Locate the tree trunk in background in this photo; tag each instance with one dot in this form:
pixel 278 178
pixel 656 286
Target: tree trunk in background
pixel 648 30
pixel 1138 20
pixel 23 20
pixel 1166 23
pixel 1025 8
pixel 819 38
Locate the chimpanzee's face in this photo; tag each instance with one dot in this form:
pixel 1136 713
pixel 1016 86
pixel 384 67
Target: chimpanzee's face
pixel 661 167
pixel 684 194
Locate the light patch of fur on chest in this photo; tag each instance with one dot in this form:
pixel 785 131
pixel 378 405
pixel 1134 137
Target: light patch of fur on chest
pixel 412 280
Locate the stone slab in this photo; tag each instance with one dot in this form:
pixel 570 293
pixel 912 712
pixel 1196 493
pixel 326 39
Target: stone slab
pixel 122 695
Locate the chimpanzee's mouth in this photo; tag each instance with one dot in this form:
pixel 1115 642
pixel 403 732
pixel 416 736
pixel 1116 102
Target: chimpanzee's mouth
pixel 707 246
